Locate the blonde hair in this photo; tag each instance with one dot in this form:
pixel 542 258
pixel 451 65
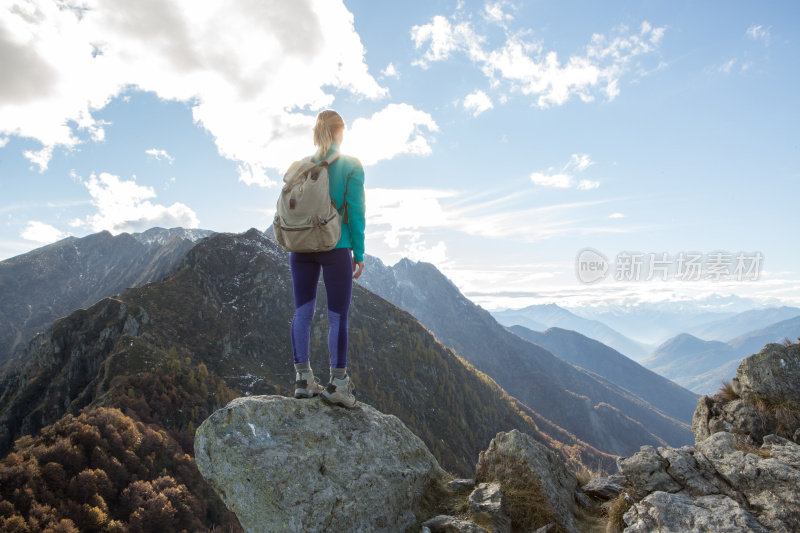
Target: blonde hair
pixel 329 124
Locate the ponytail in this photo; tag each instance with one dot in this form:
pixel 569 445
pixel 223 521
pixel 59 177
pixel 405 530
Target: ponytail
pixel 328 125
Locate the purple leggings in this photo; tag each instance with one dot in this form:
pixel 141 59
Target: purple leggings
pixel 337 272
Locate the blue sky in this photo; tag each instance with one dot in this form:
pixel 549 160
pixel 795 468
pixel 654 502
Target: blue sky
pixel 499 138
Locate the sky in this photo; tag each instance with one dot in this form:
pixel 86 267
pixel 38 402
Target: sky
pixel 575 152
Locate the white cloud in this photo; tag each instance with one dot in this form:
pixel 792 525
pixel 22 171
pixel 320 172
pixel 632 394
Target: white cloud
pixel 495 12
pixel 396 129
pixel 391 71
pixel 42 233
pixel 160 154
pixel 403 217
pixel 579 162
pixel 3 141
pixel 40 158
pixel 587 185
pixel 407 209
pixel 477 102
pixel 124 206
pixel 565 178
pixel 562 181
pixel 443 39
pixel 616 215
pixel 758 33
pixel 255 73
pixel 727 66
pixel 528 68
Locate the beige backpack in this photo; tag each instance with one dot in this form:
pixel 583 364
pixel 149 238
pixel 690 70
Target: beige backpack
pixel 306 219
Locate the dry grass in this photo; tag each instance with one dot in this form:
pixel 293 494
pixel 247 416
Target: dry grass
pixel 584 475
pixel 590 520
pixel 437 499
pixel 727 392
pixel 784 413
pixel 615 510
pixel 743 444
pixel 528 508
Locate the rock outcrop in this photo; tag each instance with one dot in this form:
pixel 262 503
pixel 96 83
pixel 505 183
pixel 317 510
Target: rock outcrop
pixel 289 465
pixel 743 473
pixel 538 488
pixel 764 398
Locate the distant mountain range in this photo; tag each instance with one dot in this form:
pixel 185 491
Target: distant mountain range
pixel 541 317
pixel 50 282
pixel 591 407
pixel 604 361
pixel 651 323
pixel 727 328
pixel 701 365
pixel 685 358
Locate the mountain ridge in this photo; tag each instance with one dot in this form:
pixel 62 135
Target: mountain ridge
pixel 569 397
pixel 603 360
pixel 553 315
pixel 52 281
pixel 703 365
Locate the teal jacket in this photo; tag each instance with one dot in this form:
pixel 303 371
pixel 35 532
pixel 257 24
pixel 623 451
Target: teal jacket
pixel 346 173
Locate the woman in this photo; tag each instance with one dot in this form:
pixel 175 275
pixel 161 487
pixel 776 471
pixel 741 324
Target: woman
pixel 339 267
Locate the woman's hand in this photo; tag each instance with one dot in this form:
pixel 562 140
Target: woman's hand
pixel 358 268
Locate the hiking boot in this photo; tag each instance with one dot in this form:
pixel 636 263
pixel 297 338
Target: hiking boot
pixel 340 392
pixel 306 385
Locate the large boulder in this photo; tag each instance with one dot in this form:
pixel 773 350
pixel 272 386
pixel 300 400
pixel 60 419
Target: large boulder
pixel 486 502
pixel 771 375
pixel 724 483
pixel 762 399
pixel 743 473
pixel 715 414
pixel 299 465
pixel 674 513
pixel 538 489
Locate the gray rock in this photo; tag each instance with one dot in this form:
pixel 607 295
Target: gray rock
pixel 771 484
pixel 487 499
pixel 787 452
pixel 714 415
pixel 693 472
pixel 646 471
pixel 768 399
pixel 602 488
pixel 771 375
pixel 546 529
pixel 520 463
pixel 619 479
pixel 299 465
pixel 675 513
pixel 462 484
pixel 796 436
pixel 743 473
pixel 583 500
pixel 450 524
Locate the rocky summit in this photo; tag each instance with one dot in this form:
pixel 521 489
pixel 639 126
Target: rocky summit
pixel 299 465
pixel 743 473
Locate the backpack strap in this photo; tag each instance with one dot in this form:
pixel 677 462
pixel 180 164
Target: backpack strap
pixel 333 157
pixel 327 162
